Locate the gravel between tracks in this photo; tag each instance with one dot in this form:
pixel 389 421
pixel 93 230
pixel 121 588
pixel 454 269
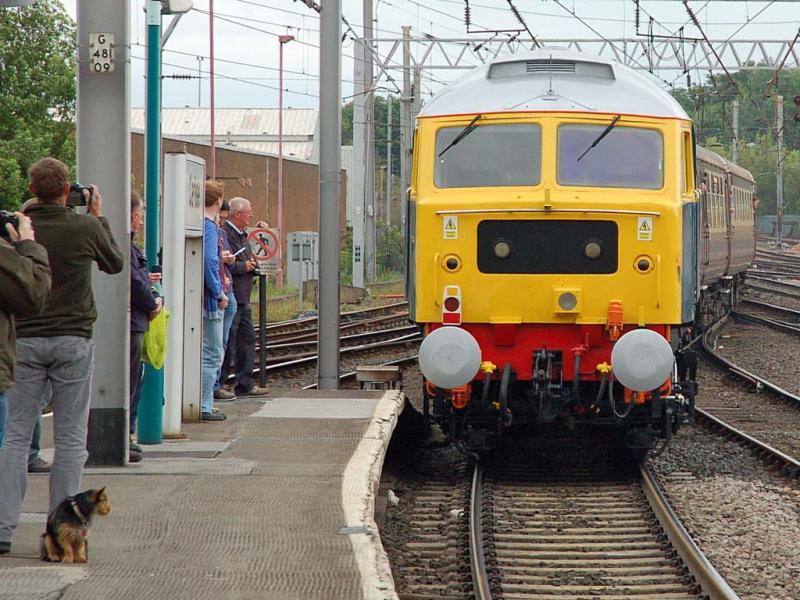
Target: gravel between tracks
pixel 763 416
pixel 776 299
pixel 745 518
pixel 764 351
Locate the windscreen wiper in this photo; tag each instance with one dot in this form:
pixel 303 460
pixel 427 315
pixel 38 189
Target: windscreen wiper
pixel 606 131
pixel 462 134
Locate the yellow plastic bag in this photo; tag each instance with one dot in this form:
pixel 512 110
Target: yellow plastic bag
pixel 154 345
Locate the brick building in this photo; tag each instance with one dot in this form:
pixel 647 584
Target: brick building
pixel 253 175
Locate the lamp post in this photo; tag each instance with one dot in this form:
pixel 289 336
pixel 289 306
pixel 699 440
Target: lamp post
pixel 283 39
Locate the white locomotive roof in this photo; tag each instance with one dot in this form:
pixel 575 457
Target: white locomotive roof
pixel 554 79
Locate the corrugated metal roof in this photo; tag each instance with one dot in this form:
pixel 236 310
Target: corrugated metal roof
pixel 301 150
pixel 249 122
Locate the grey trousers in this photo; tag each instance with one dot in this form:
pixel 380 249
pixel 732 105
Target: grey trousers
pixel 66 362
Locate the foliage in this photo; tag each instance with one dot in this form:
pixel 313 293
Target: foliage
pixel 346 257
pixel 711 109
pixel 390 258
pixel 37 92
pixel 381 113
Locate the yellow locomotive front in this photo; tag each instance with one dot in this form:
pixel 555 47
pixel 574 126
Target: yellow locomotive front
pixel 547 234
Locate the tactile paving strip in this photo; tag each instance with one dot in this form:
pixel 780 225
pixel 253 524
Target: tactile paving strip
pixel 39 582
pixel 317 408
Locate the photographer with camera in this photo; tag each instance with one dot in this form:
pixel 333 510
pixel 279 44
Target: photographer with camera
pixel 25 281
pixel 56 346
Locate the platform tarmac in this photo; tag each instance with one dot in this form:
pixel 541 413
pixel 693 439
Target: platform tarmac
pixel 276 503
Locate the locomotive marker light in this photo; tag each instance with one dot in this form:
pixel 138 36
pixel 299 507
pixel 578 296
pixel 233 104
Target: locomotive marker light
pixel 449 357
pixel 642 360
pixel 502 249
pixel 593 249
pixel 451 305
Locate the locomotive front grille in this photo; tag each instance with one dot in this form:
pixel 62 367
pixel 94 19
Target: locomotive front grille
pixel 547 247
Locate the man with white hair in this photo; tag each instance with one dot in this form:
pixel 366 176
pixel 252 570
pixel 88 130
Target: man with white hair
pixel 242 337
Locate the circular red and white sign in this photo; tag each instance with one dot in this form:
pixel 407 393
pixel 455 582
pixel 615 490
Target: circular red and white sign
pixel 264 243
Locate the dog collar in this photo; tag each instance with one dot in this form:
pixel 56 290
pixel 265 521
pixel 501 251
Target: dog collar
pixel 77 510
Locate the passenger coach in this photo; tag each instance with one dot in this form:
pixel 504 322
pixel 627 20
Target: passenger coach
pixel 555 242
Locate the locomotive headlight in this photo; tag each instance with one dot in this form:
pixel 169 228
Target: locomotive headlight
pixel 567 301
pixel 502 249
pixel 593 249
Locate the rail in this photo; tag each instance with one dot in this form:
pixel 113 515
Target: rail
pixel 709 346
pixel 477 555
pixel 621 538
pixel 709 579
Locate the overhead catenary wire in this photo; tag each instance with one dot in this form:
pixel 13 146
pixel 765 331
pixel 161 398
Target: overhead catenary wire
pixel 523 23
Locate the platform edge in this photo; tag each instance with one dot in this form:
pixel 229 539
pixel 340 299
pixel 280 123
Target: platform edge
pixel 359 488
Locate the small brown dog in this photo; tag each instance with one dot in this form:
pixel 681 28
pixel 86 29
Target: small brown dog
pixel 68 526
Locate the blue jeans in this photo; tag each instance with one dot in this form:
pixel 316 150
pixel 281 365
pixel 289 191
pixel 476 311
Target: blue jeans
pixel 36 439
pixel 33 451
pixel 66 362
pixel 3 412
pixel 230 312
pixel 213 353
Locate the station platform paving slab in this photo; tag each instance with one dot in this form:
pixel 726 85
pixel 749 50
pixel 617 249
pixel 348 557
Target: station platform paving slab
pixel 276 502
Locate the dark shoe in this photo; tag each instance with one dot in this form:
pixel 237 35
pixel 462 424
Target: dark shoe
pixel 134 456
pixel 223 395
pixel 135 447
pixel 38 465
pixel 256 391
pixel 5 547
pixel 213 416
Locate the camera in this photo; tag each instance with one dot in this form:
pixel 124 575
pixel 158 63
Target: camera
pixel 76 196
pixel 7 217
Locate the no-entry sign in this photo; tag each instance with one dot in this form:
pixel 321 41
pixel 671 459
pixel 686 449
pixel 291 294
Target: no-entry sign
pixel 263 243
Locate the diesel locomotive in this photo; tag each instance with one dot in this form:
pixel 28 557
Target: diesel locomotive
pixel 567 239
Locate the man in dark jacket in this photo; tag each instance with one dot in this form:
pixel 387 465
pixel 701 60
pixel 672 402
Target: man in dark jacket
pixel 145 305
pixel 56 346
pixel 242 338
pixel 25 281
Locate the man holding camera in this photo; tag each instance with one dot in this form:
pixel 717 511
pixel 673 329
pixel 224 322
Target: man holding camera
pixel 25 281
pixel 56 346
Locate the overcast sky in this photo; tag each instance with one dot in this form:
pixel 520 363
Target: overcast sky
pixel 246 39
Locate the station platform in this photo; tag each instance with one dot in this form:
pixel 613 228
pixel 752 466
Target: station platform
pixel 276 502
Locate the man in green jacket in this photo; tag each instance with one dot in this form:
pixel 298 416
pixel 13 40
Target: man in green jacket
pixel 56 345
pixel 25 281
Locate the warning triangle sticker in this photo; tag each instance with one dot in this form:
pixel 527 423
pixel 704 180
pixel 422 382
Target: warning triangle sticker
pixel 644 226
pixel 450 225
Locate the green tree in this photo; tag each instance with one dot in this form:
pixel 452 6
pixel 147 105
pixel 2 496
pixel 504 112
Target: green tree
pixel 381 134
pixel 710 105
pixel 37 92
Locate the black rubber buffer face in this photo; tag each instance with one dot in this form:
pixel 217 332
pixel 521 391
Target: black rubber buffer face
pixel 548 247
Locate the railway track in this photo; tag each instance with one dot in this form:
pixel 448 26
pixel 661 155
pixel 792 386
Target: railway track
pixel 364 335
pixel 773 286
pixel 597 530
pixel 767 315
pixel 306 328
pixel 759 421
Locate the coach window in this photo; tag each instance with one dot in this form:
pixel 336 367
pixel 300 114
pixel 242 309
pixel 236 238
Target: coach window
pixel 489 156
pixel 626 157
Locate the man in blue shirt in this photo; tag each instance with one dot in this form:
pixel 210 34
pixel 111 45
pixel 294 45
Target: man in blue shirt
pixel 215 301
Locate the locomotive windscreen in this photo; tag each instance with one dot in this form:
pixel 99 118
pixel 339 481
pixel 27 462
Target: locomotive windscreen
pixel 547 247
